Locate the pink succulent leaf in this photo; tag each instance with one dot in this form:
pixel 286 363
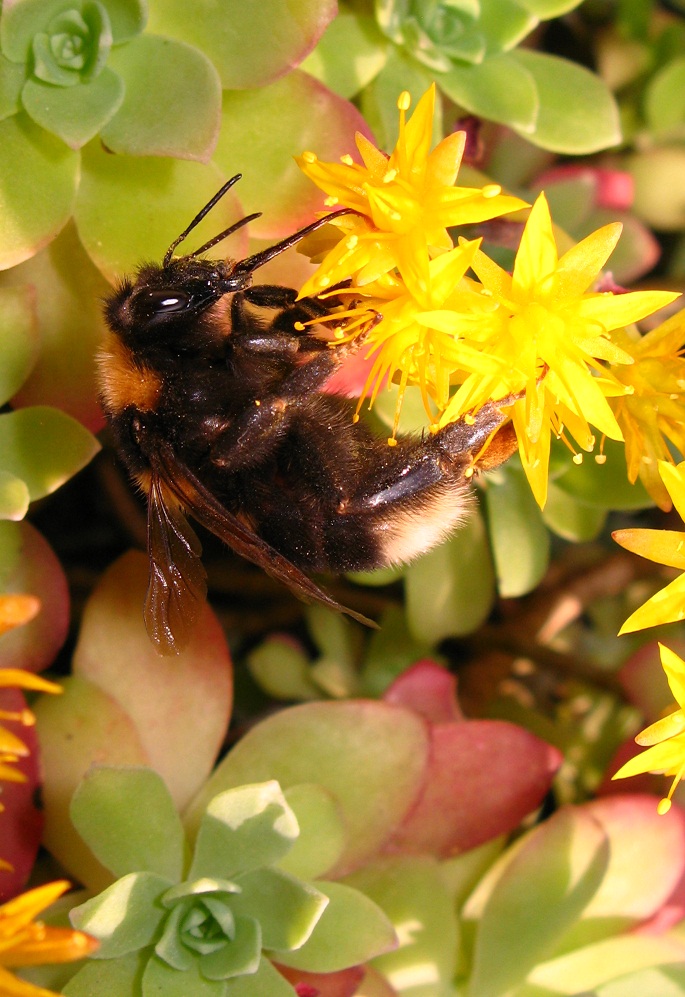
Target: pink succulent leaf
pixel 166 700
pixel 460 807
pixel 644 879
pixel 341 984
pixel 29 565
pixel 429 689
pixel 644 681
pixel 21 821
pixel 614 189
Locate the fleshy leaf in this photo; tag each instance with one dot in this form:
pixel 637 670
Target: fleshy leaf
pixel 14 497
pixel 21 21
pixel 345 983
pixel 262 130
pixel 159 978
pixel 181 712
pixel 18 338
pixel 234 35
pixel 588 124
pixel 349 54
pixel 286 909
pixel 81 725
pixel 38 183
pixel 519 539
pixel 28 564
pixel 267 982
pixel 74 114
pixel 44 447
pixel 131 208
pixel 602 486
pixel 570 518
pixel 352 929
pixel 414 896
pixel 68 292
pixel 552 875
pixel 12 79
pixel 145 834
pixel 22 820
pixel 322 836
pixel 371 757
pixel 663 99
pixel 172 101
pixel 126 916
pixel 499 88
pixel 458 810
pixel 450 590
pixel 107 977
pixel 429 689
pixel 243 829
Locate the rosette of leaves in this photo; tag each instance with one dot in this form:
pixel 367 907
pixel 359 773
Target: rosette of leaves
pixel 211 923
pixel 469 48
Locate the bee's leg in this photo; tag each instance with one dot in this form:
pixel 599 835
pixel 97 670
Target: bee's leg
pixel 286 333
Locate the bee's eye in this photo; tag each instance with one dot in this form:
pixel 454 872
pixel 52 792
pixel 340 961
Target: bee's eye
pixel 152 305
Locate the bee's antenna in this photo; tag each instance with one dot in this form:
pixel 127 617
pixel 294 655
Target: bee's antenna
pixel 224 235
pixel 244 267
pixel 198 218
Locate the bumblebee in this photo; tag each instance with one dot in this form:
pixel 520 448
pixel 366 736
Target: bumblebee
pixel 212 388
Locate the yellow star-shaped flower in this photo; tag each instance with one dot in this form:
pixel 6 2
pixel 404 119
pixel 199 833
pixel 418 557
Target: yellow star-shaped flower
pixel 27 942
pixel 665 739
pixel 552 339
pixel 404 203
pixel 665 547
pixel 654 412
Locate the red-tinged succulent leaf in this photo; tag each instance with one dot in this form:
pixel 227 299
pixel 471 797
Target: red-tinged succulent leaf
pixel 29 565
pixel 250 44
pixel 68 291
pixel 484 776
pixel 21 820
pixel 180 708
pixel 38 184
pixel 376 985
pixel 644 681
pixel 646 858
pixel 131 208
pixel 645 782
pixel 429 689
pixel 341 984
pixel 370 756
pixel 82 727
pixel 264 129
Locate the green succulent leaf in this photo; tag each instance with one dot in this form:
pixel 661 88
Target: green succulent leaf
pixel 330 744
pixel 667 981
pixel 500 89
pixel 506 24
pixel 250 44
pixel 244 829
pixel 144 835
pixel 74 114
pixel 12 79
pixel 263 129
pixel 18 338
pixel 412 891
pixel 378 100
pixel 322 836
pixel 286 909
pixel 665 100
pixel 450 590
pixel 172 103
pixel 588 123
pixel 126 916
pixel 24 20
pixel 38 184
pixel 282 669
pixel 108 977
pixel 44 447
pixel 267 982
pixel 519 539
pixel 602 486
pixel 14 497
pixel 159 978
pixel 351 52
pixel 352 930
pixel 545 10
pixel 68 304
pixel 552 875
pixel 239 957
pixel 131 208
pixel 571 518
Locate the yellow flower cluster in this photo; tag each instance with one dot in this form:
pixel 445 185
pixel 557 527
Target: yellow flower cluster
pixel 464 330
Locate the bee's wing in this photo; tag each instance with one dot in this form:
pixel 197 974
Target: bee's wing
pixel 207 510
pixel 177 587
